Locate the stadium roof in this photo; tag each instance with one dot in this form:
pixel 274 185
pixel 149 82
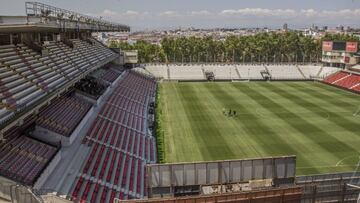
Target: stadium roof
pixel 42 17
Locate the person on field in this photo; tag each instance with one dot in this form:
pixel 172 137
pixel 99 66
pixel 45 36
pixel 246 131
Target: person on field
pixel 234 113
pixel 229 112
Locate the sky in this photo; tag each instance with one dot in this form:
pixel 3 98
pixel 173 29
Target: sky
pixel 169 14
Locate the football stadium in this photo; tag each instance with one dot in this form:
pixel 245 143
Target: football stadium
pixel 82 122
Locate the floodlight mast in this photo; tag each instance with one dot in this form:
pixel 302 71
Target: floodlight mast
pixel 37 9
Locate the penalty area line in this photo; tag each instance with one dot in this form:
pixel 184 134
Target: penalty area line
pixel 325 166
pixel 339 162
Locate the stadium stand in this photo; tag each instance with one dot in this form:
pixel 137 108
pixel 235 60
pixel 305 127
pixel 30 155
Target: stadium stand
pixel 310 71
pixel 23 159
pixel 91 87
pixel 357 88
pixel 76 59
pixel 239 71
pixel 336 77
pixel 63 114
pixel 22 82
pixel 345 80
pixel 120 144
pixel 107 74
pixel 285 72
pixel 224 72
pixel 27 76
pixel 110 110
pixel 110 75
pixel 349 82
pixel 186 73
pixel 158 70
pixel 327 71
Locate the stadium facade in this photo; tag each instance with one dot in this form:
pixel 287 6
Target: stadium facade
pixel 77 126
pixel 340 54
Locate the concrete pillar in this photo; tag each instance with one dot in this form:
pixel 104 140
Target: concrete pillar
pixel 62 36
pixel 39 37
pixel 11 39
pixel 25 37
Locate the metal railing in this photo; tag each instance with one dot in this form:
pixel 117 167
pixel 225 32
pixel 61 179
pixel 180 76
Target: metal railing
pixel 17 193
pixel 43 10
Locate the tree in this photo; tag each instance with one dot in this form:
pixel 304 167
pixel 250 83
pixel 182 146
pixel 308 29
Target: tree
pixel 262 47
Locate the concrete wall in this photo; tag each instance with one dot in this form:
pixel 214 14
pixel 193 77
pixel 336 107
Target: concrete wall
pixel 51 137
pixel 12 192
pixel 222 172
pixel 47 172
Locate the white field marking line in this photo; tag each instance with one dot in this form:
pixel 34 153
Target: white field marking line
pixel 339 162
pixel 325 166
pixel 357 113
pixel 259 113
pixel 328 115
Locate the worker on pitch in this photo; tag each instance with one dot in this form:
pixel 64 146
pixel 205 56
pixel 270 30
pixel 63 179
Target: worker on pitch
pixel 229 113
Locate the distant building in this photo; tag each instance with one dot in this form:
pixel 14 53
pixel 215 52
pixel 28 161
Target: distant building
pixel 285 27
pixel 340 28
pixel 340 54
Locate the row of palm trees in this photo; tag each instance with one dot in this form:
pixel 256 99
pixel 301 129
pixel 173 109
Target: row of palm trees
pixel 262 47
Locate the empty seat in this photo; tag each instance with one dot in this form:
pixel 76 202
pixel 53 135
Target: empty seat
pixel 118 142
pixel 63 114
pixel 344 80
pixel 23 159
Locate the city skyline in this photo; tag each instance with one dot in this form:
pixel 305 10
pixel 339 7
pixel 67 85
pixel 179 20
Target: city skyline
pixel 170 14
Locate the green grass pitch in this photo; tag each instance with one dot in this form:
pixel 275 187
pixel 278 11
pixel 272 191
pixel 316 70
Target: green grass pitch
pixel 315 122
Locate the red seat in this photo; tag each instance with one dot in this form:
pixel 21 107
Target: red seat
pixel 334 77
pixel 95 192
pixel 86 191
pixel 121 125
pixel 344 80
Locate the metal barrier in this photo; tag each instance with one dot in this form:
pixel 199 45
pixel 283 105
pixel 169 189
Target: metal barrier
pixel 164 179
pixel 42 10
pixel 329 187
pixel 274 195
pixel 16 193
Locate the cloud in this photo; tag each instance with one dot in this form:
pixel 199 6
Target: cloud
pixel 200 13
pixel 244 12
pixel 309 12
pixel 127 15
pixel 109 13
pixel 345 13
pixel 234 17
pixel 131 13
pixel 259 12
pixel 169 14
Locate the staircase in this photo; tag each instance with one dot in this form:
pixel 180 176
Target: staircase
pixel 343 78
pixel 168 73
pixel 320 70
pixel 267 70
pixel 237 72
pixel 353 87
pixel 301 72
pixel 203 71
